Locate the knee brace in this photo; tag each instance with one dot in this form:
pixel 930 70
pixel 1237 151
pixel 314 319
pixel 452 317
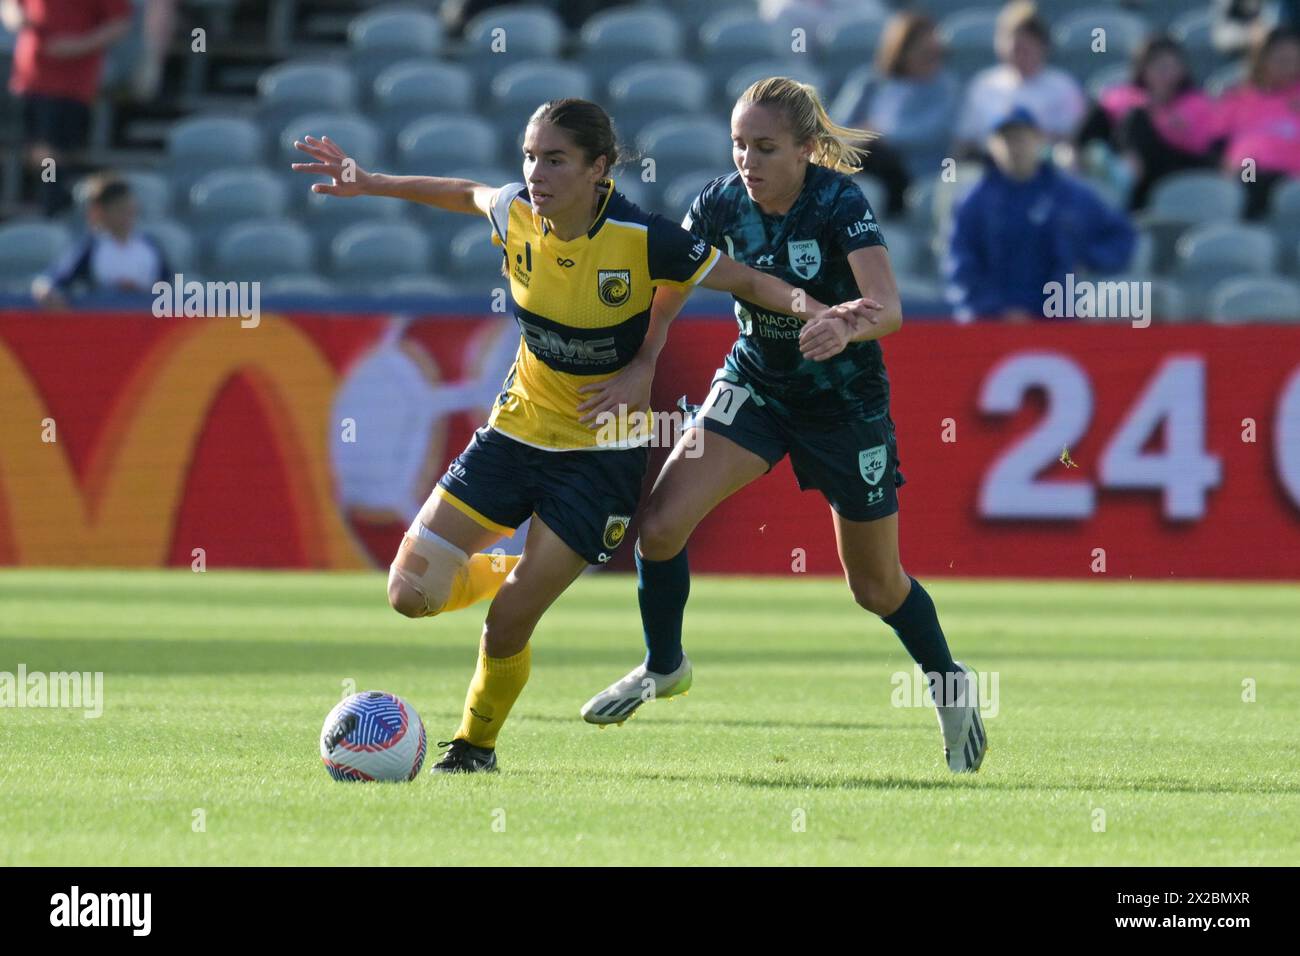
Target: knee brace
pixel 428 565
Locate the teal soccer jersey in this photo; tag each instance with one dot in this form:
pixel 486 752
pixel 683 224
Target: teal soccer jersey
pixel 808 247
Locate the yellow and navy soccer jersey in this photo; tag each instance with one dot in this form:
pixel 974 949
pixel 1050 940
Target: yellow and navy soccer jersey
pixel 583 306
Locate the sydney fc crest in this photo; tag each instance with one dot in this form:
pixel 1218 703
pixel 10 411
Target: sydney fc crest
pixel 805 257
pixel 871 462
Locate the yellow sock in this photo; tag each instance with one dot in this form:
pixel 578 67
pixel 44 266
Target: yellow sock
pixel 480 578
pixel 496 684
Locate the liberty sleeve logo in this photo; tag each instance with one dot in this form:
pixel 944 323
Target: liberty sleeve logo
pixel 697 250
pixel 615 530
pixel 805 257
pixel 871 463
pixel 614 285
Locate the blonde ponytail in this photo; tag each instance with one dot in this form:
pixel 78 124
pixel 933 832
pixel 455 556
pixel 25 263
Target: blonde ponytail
pixel 833 145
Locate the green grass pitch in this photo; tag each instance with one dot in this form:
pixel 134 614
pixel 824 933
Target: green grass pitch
pixel 1122 698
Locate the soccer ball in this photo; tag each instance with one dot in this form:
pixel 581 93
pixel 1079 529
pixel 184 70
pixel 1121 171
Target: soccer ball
pixel 373 736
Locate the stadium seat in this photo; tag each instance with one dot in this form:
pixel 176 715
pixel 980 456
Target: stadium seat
pixel 299 285
pixel 732 40
pixel 371 251
pixel 475 258
pixel 1124 32
pixel 678 146
pixel 844 43
pixel 682 190
pixel 1116 74
pixel 203 143
pixel 1194 29
pixel 1196 197
pixel 177 243
pixel 1284 219
pixel 353 133
pixel 379 37
pixel 437 142
pixel 1225 78
pixel 519 33
pixel 408 286
pixel 692 15
pixel 413 88
pixel 612 40
pixel 747 75
pixel 519 89
pixel 1266 298
pixel 643 93
pixel 1215 251
pixel 226 196
pixel 628 181
pixel 294 88
pixel 153 193
pixel 327 216
pixel 968 37
pixel 907 250
pixel 29 248
pixel 261 250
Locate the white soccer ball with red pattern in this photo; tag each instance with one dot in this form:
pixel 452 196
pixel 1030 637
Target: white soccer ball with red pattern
pixel 373 736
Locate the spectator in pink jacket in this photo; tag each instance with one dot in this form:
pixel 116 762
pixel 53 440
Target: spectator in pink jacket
pixel 1159 122
pixel 1262 117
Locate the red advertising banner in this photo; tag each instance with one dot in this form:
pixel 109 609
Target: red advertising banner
pixel 310 440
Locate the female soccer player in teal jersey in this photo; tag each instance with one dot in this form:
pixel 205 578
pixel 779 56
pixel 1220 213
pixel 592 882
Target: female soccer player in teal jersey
pixel 816 391
pixel 585 267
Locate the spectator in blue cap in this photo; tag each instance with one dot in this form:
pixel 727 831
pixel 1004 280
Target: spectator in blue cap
pixel 1026 224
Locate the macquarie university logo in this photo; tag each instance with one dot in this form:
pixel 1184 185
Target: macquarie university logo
pixel 614 285
pixel 805 257
pixel 871 464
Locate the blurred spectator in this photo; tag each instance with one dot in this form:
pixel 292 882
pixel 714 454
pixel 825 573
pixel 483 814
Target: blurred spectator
pixel 113 255
pixel 58 60
pixel 1023 78
pixel 1239 24
pixel 1159 122
pixel 1262 117
pixel 159 25
pixel 1026 224
pixel 909 99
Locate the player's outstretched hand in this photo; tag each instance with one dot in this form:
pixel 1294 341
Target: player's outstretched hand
pixel 827 333
pixel 347 178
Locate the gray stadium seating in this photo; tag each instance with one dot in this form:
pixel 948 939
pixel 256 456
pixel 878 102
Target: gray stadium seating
pixel 379 37
pixel 741 80
pixel 261 250
pixel 614 39
pixel 410 89
pixel 297 87
pixel 528 32
pixel 1214 251
pixel 1267 298
pixel 1196 197
pixel 177 242
pixel 29 248
pixel 645 92
pixel 226 196
pixel 371 251
pixel 474 257
pixel 437 142
pixel 299 285
pixel 680 145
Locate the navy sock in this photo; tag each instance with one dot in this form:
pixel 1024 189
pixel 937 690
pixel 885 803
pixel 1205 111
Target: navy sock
pixel 661 589
pixel 917 625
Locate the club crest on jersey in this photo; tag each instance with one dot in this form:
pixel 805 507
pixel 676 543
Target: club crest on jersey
pixel 615 530
pixel 614 285
pixel 871 463
pixel 805 257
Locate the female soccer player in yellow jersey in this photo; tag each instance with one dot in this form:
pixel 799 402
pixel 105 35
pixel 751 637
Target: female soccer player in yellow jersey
pixel 584 265
pixel 816 395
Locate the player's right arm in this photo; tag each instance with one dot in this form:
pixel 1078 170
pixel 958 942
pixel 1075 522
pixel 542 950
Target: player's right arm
pixel 349 179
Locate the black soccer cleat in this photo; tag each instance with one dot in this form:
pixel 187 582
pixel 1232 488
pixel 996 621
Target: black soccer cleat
pixel 463 757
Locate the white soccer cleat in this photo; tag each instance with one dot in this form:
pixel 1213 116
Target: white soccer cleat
pixel 964 740
pixel 620 700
